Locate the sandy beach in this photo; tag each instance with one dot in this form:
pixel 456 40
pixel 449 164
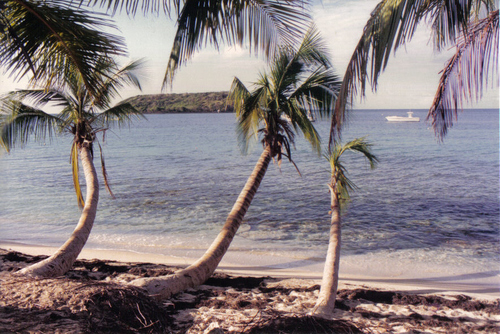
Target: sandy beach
pixel 94 298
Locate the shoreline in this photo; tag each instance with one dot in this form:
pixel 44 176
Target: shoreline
pixel 95 297
pixel 484 285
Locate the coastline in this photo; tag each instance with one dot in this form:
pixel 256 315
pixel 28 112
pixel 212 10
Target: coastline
pixel 356 270
pixel 94 297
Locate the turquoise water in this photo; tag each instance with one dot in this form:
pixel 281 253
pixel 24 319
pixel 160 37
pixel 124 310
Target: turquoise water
pixel 176 177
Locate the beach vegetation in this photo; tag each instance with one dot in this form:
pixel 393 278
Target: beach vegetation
pixel 470 26
pixel 83 115
pixel 50 39
pixel 207 102
pixel 340 186
pixel 299 82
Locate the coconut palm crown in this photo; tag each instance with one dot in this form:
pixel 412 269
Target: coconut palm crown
pixel 83 114
pixel 339 180
pixel 299 86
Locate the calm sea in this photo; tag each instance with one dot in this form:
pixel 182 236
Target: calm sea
pixel 176 177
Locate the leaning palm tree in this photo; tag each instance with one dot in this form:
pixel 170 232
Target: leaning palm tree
pixel 299 82
pixel 473 24
pixel 83 115
pixel 340 185
pixel 263 25
pixel 52 38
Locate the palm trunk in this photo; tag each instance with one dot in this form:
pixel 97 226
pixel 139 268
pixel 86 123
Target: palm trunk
pixel 62 260
pixel 201 270
pixel 328 292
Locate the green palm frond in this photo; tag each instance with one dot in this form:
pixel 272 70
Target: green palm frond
pixel 313 50
pixel 248 110
pixel 76 175
pixel 80 113
pixel 53 39
pixel 298 84
pixel 20 122
pixel 318 92
pixel 264 24
pixel 40 97
pixel 340 182
pixel 466 73
pixel 115 79
pixel 344 185
pixel 237 96
pixel 119 115
pixel 105 174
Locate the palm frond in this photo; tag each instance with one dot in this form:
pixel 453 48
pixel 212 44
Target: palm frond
pixel 340 184
pixel 20 122
pixel 115 79
pixel 105 174
pixel 250 117
pixel 340 181
pixel 344 185
pixel 318 92
pixel 313 50
pixel 298 117
pixel 361 145
pixel 39 97
pixel 450 19
pixel 55 38
pixel 392 23
pixel 121 114
pixel 285 71
pixel 237 95
pixel 76 176
pixel 16 42
pixel 133 6
pixel 264 24
pixel 298 83
pixel 466 73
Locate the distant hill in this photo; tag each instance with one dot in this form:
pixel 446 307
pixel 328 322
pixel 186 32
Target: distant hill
pixel 181 103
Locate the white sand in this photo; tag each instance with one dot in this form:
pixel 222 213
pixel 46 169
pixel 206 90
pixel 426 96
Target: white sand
pixel 359 270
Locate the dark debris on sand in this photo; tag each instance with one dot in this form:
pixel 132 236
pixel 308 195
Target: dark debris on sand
pixel 93 298
pixel 305 324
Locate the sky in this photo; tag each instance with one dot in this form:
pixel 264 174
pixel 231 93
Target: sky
pixel 409 82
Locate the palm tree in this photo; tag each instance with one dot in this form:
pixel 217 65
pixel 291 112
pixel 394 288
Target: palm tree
pixel 50 39
pixel 340 186
pixel 264 24
pixel 299 81
pixel 393 22
pixel 82 115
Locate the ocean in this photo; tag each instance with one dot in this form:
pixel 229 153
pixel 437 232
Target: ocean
pixel 176 177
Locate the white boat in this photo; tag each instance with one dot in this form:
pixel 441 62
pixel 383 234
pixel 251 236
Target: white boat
pixel 410 118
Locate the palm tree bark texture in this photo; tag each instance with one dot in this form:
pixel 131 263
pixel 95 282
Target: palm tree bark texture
pixel 329 284
pixel 201 270
pixel 62 260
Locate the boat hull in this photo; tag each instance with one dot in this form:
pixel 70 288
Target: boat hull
pixel 402 119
